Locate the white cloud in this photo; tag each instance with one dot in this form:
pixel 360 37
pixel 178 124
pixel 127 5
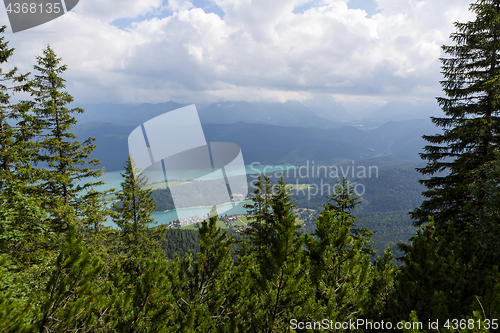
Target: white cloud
pixel 259 50
pixel 179 5
pixel 110 10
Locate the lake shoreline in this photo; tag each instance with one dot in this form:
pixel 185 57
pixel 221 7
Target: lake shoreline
pixel 199 207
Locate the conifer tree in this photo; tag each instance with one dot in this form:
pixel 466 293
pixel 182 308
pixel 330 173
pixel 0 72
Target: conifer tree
pixel 444 273
pixel 257 237
pixel 21 224
pixel 449 262
pixel 427 269
pixel 382 289
pixel 24 236
pixel 471 123
pixel 73 293
pixel 10 81
pixel 61 159
pixel 133 217
pixel 205 292
pixel 143 303
pixel 280 277
pixel 341 268
pixel 343 201
pixel 139 269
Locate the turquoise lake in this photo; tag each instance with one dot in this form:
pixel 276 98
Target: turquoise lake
pixel 113 180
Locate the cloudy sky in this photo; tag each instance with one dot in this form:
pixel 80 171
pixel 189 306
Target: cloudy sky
pixel 135 51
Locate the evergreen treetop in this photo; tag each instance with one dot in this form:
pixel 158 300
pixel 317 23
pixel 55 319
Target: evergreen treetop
pixel 457 158
pixel 61 159
pixel 10 81
pixel 133 217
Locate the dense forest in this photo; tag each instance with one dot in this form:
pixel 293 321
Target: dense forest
pixel 62 270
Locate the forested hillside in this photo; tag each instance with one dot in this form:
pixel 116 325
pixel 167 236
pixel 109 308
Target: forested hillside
pixel 274 145
pixel 62 270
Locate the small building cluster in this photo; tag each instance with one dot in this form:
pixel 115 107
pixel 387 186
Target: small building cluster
pixel 308 215
pixel 187 221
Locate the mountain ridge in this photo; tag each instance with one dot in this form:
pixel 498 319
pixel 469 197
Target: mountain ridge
pixel 290 114
pixel 270 144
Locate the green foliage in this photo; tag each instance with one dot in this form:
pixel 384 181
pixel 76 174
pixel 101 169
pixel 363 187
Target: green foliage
pixel 278 263
pixel 489 228
pixel 489 303
pixel 163 199
pixel 62 159
pixel 181 241
pixel 25 238
pixel 471 123
pixel 143 303
pixel 257 237
pixel 14 311
pixel 10 81
pixel 203 290
pixel 443 274
pixel 21 223
pixel 381 293
pixel 341 268
pixel 133 216
pixel 73 291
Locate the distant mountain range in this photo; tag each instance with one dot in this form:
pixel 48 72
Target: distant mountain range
pixel 124 114
pixel 401 111
pixel 269 144
pixel 289 114
pixel 274 133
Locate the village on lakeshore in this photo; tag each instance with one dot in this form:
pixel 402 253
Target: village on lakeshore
pixel 239 222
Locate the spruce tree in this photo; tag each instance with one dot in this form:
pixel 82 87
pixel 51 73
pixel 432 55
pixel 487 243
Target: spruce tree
pixel 21 229
pixel 61 159
pixel 450 263
pixel 25 237
pixel 343 201
pixel 205 292
pixel 443 272
pixel 75 294
pixel 457 158
pixel 279 267
pixel 341 268
pixel 257 236
pixel 133 216
pixel 139 267
pixel 382 289
pixel 10 81
pixel 143 303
